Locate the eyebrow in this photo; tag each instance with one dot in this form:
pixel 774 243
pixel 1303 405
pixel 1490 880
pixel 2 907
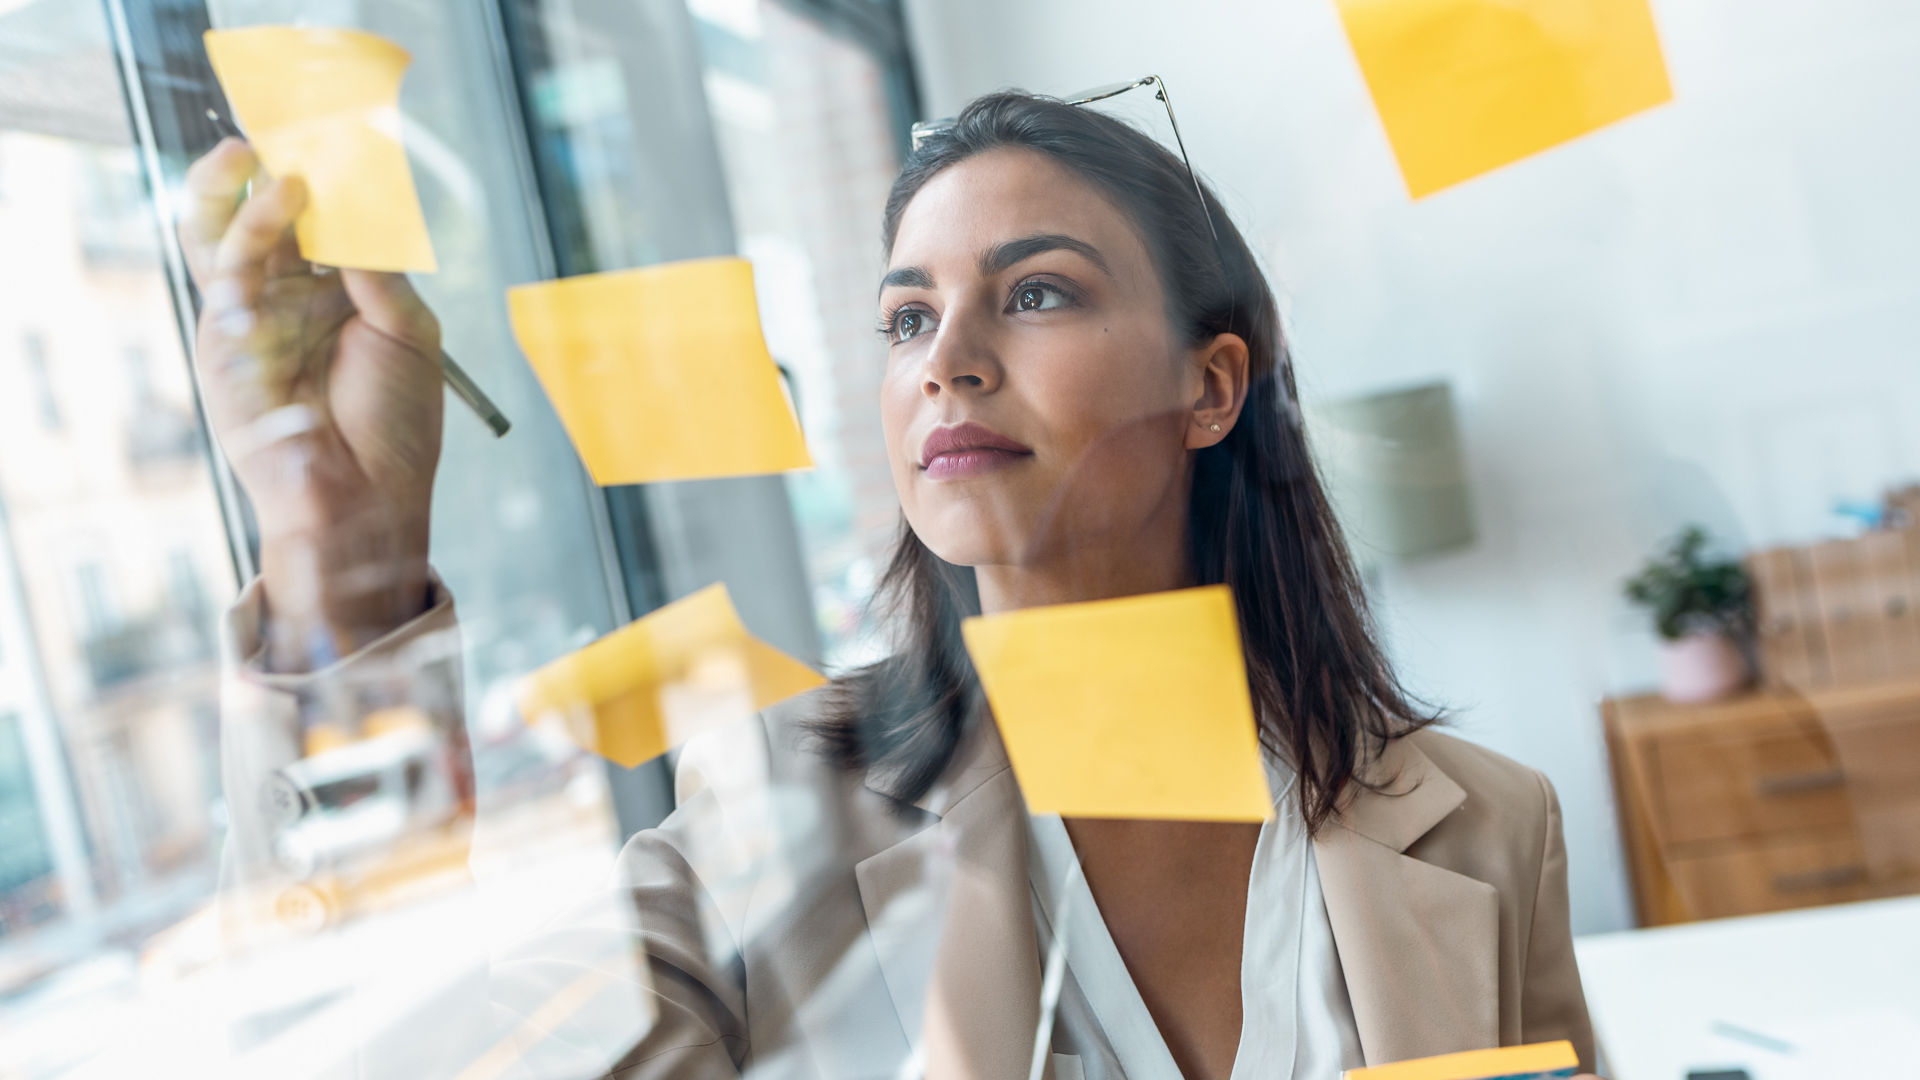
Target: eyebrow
pixel 1003 255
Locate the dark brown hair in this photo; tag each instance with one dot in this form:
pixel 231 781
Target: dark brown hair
pixel 1259 520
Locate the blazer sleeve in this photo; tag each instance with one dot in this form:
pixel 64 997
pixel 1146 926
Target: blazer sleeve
pixel 1553 1005
pixel 640 975
pixel 645 977
pixel 689 882
pixel 267 719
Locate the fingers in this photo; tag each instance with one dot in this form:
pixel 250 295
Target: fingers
pixel 257 341
pixel 285 259
pixel 257 230
pixel 263 335
pixel 388 303
pixel 233 275
pixel 214 183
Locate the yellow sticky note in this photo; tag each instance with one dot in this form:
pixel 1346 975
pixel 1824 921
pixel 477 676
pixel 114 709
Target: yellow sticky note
pixel 1536 1061
pixel 660 373
pixel 1466 86
pixel 324 105
pixel 1128 708
pixel 652 684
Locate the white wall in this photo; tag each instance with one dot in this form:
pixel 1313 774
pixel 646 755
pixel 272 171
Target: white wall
pixel 1709 312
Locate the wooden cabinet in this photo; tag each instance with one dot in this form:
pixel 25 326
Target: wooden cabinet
pixel 1768 801
pixel 1840 612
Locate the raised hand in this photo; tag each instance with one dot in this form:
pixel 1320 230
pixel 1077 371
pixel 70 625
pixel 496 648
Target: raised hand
pixel 324 391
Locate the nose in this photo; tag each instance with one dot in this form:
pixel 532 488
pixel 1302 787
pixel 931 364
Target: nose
pixel 964 357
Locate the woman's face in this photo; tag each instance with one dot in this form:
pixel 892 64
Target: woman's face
pixel 1037 403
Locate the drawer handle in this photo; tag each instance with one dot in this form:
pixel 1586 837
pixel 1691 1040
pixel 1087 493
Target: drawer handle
pixel 1830 878
pixel 1770 787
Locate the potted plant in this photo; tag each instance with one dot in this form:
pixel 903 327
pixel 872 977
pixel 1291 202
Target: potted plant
pixel 1702 608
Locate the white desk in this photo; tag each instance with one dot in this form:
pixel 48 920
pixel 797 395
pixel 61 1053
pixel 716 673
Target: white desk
pixel 1839 986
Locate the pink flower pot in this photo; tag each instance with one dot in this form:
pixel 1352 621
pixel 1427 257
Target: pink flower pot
pixel 1703 666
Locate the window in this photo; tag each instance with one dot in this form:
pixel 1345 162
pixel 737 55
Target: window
pixel 139 369
pixel 25 860
pixel 594 149
pixel 34 348
pixel 99 613
pixel 184 589
pixel 113 222
pixel 107 834
pixel 129 801
pixel 809 136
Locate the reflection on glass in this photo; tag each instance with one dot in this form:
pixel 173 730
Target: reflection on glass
pixel 112 556
pixel 115 570
pixel 802 120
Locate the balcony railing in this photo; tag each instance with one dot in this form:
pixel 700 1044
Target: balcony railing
pixel 173 639
pixel 160 434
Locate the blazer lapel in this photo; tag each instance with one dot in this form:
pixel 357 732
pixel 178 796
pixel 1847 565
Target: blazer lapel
pixel 1418 944
pixel 951 920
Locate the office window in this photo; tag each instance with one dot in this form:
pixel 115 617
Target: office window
pixel 807 132
pixel 108 834
pixel 595 150
pixel 105 824
pixel 122 638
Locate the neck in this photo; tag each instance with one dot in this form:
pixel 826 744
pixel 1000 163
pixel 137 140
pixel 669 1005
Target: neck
pixel 1154 563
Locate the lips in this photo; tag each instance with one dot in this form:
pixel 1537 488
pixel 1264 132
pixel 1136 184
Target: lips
pixel 968 449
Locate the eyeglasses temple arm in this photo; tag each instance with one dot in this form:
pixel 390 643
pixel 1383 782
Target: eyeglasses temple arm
pixel 1160 91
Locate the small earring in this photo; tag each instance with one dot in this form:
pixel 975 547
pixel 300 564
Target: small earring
pixel 1213 427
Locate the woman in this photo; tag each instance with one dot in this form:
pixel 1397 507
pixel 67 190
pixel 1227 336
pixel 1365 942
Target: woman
pixel 1088 396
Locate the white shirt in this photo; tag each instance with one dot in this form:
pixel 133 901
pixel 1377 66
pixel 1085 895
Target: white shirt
pixel 1296 1017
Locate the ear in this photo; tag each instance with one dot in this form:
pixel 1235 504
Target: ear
pixel 1220 370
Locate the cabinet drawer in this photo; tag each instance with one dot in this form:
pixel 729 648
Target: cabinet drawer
pixel 1877 744
pixel 1722 785
pixel 1823 868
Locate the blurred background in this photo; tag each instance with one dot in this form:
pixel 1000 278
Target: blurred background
pixel 1526 388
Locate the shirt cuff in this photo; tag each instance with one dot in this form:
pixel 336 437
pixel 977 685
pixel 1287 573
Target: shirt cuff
pixel 244 646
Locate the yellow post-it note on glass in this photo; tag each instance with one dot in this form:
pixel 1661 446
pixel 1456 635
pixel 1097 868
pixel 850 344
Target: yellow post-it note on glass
pixel 1128 708
pixel 324 105
pixel 656 682
pixel 1537 1061
pixel 660 373
pixel 1466 86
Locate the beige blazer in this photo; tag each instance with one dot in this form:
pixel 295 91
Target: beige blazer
pixel 1447 896
pixel 790 920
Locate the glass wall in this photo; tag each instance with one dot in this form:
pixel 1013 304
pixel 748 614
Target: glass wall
pixel 545 139
pixel 113 558
pixel 629 173
pixel 808 136
pixel 1621 432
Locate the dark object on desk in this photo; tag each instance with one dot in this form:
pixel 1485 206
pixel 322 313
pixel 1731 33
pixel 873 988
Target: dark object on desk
pixel 1719 1074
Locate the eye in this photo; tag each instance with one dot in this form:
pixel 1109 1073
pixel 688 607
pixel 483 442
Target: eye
pixel 903 324
pixel 1039 296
